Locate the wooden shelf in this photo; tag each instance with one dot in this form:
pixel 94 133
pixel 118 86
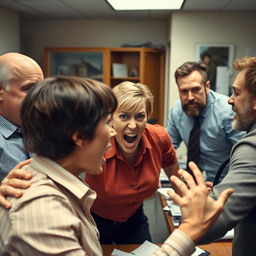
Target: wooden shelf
pixel 144 65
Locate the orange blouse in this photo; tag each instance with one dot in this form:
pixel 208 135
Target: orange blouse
pixel 122 188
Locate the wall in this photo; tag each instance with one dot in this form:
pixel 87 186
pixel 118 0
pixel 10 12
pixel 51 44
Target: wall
pixel 190 28
pixel 9 31
pixel 89 33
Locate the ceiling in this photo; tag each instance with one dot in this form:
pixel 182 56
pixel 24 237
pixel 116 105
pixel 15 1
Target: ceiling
pixel 84 9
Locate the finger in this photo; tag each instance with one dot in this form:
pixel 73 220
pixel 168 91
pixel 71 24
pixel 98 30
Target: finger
pixel 3 202
pixel 179 184
pixel 17 183
pixel 6 190
pixel 188 178
pixel 209 184
pixel 175 197
pixel 23 163
pixel 223 197
pixel 197 173
pixel 19 174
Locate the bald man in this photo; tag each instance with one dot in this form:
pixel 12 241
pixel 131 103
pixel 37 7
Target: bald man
pixel 18 73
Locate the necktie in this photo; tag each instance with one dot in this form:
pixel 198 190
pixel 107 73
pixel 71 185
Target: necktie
pixel 193 144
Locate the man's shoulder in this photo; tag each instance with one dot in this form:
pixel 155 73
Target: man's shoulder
pixel 176 110
pixel 220 106
pixel 249 138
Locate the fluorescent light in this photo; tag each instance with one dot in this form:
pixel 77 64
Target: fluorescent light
pixel 146 4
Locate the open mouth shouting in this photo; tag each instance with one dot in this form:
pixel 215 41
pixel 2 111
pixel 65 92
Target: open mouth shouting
pixel 130 140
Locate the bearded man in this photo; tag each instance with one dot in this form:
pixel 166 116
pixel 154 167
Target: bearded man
pixel 210 109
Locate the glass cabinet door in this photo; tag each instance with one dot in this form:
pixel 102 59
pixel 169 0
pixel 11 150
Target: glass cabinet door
pixel 85 64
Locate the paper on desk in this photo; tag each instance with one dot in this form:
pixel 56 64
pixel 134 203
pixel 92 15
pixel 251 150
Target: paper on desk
pixel 146 249
pixel 163 192
pixel 229 235
pixel 117 252
pixel 198 252
pixel 163 176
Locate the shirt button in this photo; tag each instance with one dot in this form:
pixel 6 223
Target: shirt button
pixel 134 187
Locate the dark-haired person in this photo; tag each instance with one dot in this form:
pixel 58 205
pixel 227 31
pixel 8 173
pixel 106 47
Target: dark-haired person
pixel 66 124
pixel 131 170
pixel 197 100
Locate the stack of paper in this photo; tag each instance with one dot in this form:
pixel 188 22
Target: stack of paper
pixel 147 249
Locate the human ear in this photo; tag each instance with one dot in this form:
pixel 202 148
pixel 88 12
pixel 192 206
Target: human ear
pixel 208 86
pixel 79 142
pixel 1 93
pixel 254 104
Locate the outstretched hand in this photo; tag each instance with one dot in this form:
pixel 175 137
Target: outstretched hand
pixel 199 210
pixel 15 180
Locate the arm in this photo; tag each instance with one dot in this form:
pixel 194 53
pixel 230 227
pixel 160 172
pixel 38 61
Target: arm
pixel 240 177
pixel 16 178
pixel 173 129
pixel 172 170
pixel 199 212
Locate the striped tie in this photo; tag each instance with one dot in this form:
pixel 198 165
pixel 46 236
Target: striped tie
pixel 194 144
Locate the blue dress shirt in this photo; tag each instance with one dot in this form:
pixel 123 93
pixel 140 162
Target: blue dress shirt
pixel 217 136
pixel 11 147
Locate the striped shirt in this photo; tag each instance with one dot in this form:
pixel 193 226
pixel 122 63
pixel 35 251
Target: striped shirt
pixel 53 218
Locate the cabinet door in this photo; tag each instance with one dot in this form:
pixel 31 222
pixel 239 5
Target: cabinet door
pixel 125 66
pixel 82 62
pixel 153 77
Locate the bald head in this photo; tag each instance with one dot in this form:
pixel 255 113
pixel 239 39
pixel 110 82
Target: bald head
pixel 18 73
pixel 14 65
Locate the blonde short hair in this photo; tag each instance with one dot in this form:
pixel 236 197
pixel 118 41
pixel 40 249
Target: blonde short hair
pixel 131 96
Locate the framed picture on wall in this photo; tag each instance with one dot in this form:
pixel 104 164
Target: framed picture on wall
pixel 84 62
pixel 218 59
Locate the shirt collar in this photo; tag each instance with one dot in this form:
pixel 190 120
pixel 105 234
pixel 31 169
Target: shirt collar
pixel 210 100
pixel 6 127
pixel 145 144
pixel 60 175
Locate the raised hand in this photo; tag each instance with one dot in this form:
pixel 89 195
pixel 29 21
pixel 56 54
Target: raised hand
pixel 199 210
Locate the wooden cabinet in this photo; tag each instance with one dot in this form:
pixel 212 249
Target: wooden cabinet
pixel 112 66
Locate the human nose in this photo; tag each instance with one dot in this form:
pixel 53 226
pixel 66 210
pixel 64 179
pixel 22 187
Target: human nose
pixel 190 95
pixel 132 123
pixel 231 100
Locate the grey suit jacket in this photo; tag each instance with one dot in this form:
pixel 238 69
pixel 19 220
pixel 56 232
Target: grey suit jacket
pixel 240 210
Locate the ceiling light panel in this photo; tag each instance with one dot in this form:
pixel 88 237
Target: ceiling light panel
pixel 146 4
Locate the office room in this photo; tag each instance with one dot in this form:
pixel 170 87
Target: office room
pixel 39 28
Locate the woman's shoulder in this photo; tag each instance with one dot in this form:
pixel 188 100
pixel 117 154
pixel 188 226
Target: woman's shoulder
pixel 156 132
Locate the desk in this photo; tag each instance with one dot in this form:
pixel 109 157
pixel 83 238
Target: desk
pixel 216 249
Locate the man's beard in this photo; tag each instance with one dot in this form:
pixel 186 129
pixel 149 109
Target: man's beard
pixel 245 117
pixel 193 111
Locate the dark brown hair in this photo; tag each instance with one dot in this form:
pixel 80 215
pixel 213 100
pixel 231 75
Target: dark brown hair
pixel 57 107
pixel 188 67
